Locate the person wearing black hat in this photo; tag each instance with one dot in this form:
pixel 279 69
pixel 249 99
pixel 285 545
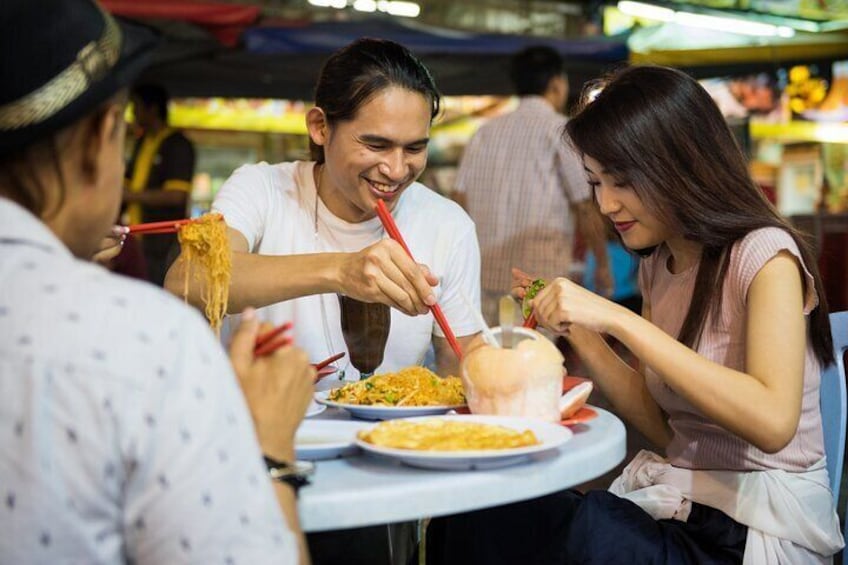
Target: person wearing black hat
pixel 124 436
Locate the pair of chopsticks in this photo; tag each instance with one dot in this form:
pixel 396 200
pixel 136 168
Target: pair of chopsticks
pixel 170 226
pixel 272 340
pixel 394 233
pixel 320 365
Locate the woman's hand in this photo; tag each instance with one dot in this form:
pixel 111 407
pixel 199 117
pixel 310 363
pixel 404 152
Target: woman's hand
pixel 111 245
pixel 524 288
pixel 277 387
pixel 520 282
pixel 384 273
pixel 563 303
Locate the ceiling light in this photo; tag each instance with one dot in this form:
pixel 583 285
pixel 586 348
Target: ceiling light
pixel 398 8
pixel 338 4
pixel 365 5
pixel 647 11
pixel 392 7
pixel 704 21
pixel 733 25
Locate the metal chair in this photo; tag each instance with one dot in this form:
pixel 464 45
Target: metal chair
pixel 834 405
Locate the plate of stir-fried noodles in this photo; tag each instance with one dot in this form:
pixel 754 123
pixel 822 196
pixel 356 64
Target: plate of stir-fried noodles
pixel 413 391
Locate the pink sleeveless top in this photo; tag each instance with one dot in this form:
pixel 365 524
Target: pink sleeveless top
pixel 697 442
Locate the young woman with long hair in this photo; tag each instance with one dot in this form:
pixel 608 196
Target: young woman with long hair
pixel 731 341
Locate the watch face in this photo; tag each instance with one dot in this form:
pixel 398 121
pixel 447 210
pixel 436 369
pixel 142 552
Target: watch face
pixel 283 470
pixel 304 467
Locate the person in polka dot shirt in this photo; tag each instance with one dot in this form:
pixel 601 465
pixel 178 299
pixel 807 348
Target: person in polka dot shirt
pixel 125 436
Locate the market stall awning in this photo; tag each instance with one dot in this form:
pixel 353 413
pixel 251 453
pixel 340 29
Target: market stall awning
pixel 325 37
pixel 226 22
pixel 279 59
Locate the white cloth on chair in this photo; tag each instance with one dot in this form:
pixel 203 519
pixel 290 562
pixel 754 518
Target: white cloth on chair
pixel 790 516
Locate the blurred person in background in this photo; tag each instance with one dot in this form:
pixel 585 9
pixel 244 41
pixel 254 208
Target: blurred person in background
pixel 124 435
pixel 525 190
pixel 158 178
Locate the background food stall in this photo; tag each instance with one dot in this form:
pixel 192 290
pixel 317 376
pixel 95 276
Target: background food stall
pixel 797 143
pixel 242 82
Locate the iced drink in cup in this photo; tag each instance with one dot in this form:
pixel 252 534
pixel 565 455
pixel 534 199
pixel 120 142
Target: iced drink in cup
pixel 365 327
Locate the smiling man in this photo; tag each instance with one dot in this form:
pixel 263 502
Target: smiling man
pixel 303 232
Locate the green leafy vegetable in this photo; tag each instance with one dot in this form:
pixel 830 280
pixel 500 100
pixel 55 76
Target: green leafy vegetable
pixel 535 287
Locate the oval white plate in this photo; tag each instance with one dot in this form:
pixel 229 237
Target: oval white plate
pixel 326 439
pixel 383 412
pixel 314 409
pixel 549 434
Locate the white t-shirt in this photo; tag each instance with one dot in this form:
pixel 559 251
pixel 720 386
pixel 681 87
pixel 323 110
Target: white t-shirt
pixel 273 206
pixel 124 436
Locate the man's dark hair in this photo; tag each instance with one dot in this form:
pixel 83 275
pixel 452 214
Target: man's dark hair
pixel 355 74
pixel 152 95
pixel 532 68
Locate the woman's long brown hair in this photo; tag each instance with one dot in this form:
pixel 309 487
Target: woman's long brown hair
pixel 658 129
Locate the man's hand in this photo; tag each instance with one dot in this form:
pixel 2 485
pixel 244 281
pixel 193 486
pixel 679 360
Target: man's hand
pixel 384 273
pixel 521 281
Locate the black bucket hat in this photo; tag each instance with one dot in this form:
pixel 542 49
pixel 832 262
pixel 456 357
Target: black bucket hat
pixel 59 60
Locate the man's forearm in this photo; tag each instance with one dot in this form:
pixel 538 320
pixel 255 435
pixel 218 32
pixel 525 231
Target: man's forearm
pixel 261 280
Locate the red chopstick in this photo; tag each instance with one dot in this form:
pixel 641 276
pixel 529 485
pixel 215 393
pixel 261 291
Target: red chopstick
pixel 271 346
pixel 262 339
pixel 320 365
pixel 169 226
pixel 531 322
pixel 394 233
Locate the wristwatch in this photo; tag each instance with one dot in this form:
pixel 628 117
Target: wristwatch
pixel 295 474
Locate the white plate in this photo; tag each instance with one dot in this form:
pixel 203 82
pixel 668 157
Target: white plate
pixel 314 409
pixel 549 434
pixel 383 412
pixel 326 439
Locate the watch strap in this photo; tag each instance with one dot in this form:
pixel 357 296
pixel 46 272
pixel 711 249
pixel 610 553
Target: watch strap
pixel 292 474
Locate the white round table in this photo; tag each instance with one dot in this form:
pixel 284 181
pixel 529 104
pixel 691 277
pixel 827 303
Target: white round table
pixel 363 490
